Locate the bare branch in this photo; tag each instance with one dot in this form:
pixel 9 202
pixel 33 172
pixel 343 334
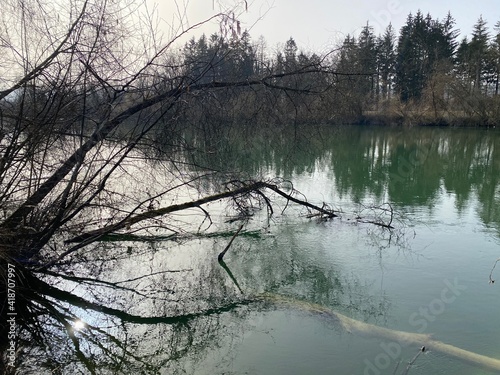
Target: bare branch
pixel 39 69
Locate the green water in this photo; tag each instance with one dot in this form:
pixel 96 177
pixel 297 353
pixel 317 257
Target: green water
pixel 429 275
pixel 443 183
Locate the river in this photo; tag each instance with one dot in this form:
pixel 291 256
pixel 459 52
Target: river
pixel 273 307
pixel 430 275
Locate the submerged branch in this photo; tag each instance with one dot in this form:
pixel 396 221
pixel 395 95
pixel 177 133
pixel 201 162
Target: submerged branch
pixel 492 281
pixel 164 211
pixel 245 189
pixel 424 341
pixel 378 221
pixel 328 213
pixel 230 274
pixel 413 360
pixel 220 258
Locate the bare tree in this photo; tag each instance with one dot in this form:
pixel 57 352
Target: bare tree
pixel 85 86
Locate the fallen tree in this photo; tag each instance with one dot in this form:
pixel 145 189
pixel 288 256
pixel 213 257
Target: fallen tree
pixel 401 338
pixel 247 189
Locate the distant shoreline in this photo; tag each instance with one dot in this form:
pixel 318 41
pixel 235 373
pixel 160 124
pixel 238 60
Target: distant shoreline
pixel 378 119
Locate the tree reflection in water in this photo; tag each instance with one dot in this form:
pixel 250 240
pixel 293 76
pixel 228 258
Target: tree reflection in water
pixel 154 322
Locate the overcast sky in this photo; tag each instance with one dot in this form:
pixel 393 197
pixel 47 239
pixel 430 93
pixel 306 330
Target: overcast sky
pixel 319 24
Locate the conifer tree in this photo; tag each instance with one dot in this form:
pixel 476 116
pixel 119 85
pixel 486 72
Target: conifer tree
pixel 386 57
pixel 478 49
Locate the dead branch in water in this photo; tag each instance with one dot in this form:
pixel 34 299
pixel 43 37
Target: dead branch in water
pixel 239 192
pixel 414 359
pixel 230 274
pixel 378 221
pixel 244 189
pixel 492 281
pixel 399 337
pixel 222 253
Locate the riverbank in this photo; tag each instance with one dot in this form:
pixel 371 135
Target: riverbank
pixel 415 119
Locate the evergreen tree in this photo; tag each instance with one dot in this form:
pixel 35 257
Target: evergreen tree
pixel 386 57
pixel 450 35
pixel 290 54
pixel 348 66
pixel 408 77
pixel 478 48
pixel 242 56
pixel 367 61
pixel 495 58
pixel 347 62
pixel 464 62
pixel 424 44
pixel 195 58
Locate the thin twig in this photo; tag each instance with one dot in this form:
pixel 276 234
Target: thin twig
pixel 492 281
pixel 421 350
pixel 221 255
pixel 396 368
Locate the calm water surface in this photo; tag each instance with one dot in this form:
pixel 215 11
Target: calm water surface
pixel 430 275
pixel 444 184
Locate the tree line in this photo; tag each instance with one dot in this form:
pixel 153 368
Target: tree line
pixel 424 74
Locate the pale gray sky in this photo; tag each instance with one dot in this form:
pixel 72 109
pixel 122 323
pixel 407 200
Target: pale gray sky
pixel 319 24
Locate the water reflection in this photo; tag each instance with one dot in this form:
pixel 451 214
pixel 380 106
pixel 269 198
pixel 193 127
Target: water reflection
pixel 171 303
pixel 182 305
pixel 410 167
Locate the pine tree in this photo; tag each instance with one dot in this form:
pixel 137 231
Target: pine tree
pixel 242 56
pixel 406 61
pixel 386 57
pixel 478 49
pixel 290 54
pixel 495 58
pixel 367 61
pixel 463 65
pixel 424 45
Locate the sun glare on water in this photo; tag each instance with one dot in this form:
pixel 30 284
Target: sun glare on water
pixel 78 325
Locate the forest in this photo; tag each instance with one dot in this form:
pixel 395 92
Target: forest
pixel 422 75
